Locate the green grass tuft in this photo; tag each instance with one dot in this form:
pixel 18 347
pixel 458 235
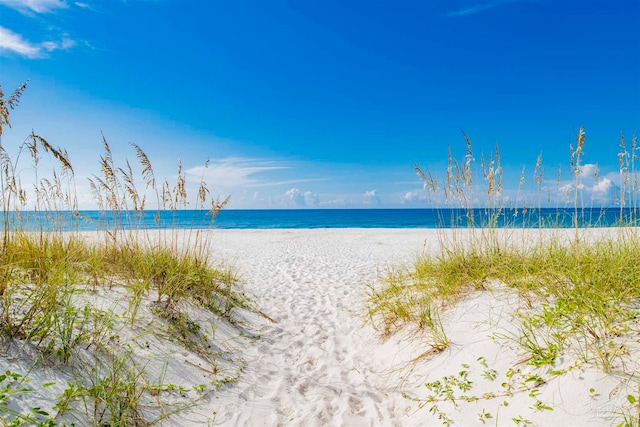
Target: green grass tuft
pixel 50 273
pixel 581 285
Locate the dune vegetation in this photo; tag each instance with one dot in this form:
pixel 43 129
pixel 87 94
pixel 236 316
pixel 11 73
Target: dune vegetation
pixel 99 315
pixel 578 288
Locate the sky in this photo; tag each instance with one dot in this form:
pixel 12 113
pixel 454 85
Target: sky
pixel 326 103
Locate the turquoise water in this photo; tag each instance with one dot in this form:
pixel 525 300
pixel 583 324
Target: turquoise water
pixel 325 218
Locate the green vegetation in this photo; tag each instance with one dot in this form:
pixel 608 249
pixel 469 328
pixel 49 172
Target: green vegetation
pixel 579 289
pixel 84 306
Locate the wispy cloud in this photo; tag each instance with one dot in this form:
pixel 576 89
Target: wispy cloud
pixel 64 44
pixel 37 6
pixel 18 44
pixel 479 7
pixel 240 172
pixel 12 42
pixel 233 172
pixel 15 43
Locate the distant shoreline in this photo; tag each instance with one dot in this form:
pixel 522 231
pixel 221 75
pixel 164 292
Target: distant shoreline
pixel 395 218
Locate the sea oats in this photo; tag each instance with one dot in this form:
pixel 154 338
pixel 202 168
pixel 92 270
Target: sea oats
pixel 147 170
pixel 9 104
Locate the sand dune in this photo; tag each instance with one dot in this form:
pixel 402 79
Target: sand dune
pixel 312 360
pixel 318 364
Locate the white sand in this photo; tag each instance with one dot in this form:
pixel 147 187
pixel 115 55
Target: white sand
pixel 319 364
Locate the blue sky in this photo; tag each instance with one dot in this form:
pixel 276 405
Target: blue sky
pixel 307 103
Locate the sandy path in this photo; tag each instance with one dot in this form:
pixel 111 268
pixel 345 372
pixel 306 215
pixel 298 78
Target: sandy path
pixel 317 365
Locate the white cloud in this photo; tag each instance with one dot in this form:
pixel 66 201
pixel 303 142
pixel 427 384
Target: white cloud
pixel 588 170
pixel 300 199
pixel 12 42
pixel 601 192
pixel 37 6
pixel 16 43
pixel 234 172
pixel 414 197
pixel 240 172
pixel 311 199
pixel 63 44
pixel 371 197
pixel 295 196
pixel 604 187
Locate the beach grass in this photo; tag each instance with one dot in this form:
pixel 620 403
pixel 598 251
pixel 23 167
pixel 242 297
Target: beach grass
pixel 578 287
pixel 86 304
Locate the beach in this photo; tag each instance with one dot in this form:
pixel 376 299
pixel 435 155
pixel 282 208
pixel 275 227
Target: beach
pixel 319 363
pixel 319 213
pixel 308 355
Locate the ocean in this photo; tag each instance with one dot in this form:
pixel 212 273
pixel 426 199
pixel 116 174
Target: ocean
pixel 326 218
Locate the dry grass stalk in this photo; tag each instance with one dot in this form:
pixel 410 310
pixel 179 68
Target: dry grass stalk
pixel 39 272
pixel 6 105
